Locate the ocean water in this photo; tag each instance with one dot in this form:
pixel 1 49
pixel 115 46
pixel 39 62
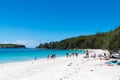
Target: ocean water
pixel 13 55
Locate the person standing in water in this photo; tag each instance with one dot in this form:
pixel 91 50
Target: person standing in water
pixel 73 54
pixel 35 58
pixel 54 56
pixel 67 55
pixel 48 56
pixel 76 54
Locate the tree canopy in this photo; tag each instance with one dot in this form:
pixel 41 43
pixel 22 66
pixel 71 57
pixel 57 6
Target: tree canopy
pixel 109 40
pixel 12 46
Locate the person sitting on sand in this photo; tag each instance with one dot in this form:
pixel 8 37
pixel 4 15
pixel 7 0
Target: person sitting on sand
pixel 106 57
pixel 112 56
pixel 87 54
pixel 94 56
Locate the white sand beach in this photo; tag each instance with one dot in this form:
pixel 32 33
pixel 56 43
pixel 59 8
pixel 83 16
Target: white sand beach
pixel 61 69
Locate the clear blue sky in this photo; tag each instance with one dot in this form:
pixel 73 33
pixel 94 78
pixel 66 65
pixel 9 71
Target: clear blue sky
pixel 36 21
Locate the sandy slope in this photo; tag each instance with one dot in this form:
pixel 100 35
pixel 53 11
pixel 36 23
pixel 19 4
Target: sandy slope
pixel 60 69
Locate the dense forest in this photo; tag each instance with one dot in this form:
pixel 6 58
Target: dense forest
pixel 12 46
pixel 109 40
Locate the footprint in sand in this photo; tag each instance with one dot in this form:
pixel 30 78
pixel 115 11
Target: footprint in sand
pixel 60 78
pixel 75 71
pixel 2 67
pixel 79 68
pixel 69 74
pixel 65 77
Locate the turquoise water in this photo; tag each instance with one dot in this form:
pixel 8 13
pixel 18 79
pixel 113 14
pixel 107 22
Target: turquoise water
pixel 13 55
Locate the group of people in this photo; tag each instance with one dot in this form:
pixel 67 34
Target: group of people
pixel 73 54
pixel 101 56
pixel 87 55
pixel 53 56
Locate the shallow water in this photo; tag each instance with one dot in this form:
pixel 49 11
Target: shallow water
pixel 23 54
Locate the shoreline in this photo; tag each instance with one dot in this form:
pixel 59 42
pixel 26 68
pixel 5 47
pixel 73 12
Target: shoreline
pixel 62 68
pixel 38 57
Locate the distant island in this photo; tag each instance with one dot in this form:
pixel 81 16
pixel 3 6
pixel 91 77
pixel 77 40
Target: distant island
pixel 105 40
pixel 12 46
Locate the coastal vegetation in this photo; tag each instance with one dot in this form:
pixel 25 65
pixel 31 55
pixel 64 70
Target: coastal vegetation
pixel 105 40
pixel 12 46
